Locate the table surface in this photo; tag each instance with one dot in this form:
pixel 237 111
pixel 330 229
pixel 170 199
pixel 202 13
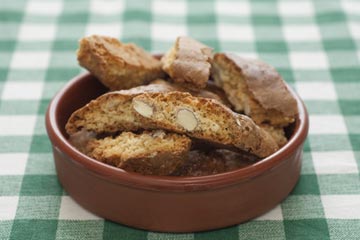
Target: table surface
pixel 314 45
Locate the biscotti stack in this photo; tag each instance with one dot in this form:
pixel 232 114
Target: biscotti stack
pixel 191 113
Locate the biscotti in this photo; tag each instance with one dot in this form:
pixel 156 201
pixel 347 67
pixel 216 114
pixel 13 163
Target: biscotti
pixel 204 119
pixel 148 153
pixel 118 65
pixel 188 62
pixel 255 88
pixel 277 133
pixel 113 111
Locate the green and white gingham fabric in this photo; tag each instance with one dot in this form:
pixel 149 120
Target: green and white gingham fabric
pixel 315 45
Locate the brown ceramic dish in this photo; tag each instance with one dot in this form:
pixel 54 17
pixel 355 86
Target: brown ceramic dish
pixel 169 204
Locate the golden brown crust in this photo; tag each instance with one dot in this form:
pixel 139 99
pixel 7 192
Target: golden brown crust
pixel 277 133
pixel 148 153
pixel 118 65
pixel 112 112
pixel 188 62
pixel 255 88
pixel 205 119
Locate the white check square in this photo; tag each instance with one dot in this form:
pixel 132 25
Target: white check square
pixel 235 32
pixel 167 32
pixel 17 125
pixel 351 6
pixel 107 7
pixel 296 8
pixel 308 60
pixel 70 210
pixel 233 8
pixel 37 32
pixel 13 163
pixel 273 214
pixel 22 90
pixel 302 33
pixel 8 206
pixel 341 206
pixel 327 124
pixel 165 7
pixel 316 90
pixel 30 60
pixel 46 8
pixel 106 29
pixel 355 29
pixel 337 162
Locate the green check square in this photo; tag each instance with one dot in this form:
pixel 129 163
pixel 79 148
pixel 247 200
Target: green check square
pixel 303 229
pixel 43 106
pixel 330 142
pixel 86 230
pixel 312 75
pixel 117 231
pixel 5 229
pixel 10 185
pixel 51 88
pixel 307 184
pixel 3 73
pixel 322 107
pixel 22 74
pixel 350 74
pixel 302 207
pixel 15 144
pixel 5 58
pixel 339 184
pixel 350 107
pixel 307 166
pixel 41 185
pixel 10 16
pixel 54 74
pixel 344 229
pixel 353 123
pixel 7 45
pixel 40 163
pixel 339 44
pixel 40 125
pixel 40 144
pixel 271 46
pixel 33 45
pixel 169 236
pixel 38 207
pixel 18 107
pixel 261 230
pixel 224 233
pixel 348 90
pixel 355 141
pixel 63 59
pixel 65 45
pixel 37 229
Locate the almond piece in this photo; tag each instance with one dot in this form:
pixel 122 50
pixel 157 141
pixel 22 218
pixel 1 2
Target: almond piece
pixel 186 118
pixel 143 108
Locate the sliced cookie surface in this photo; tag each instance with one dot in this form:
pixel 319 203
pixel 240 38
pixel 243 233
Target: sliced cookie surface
pixel 255 88
pixel 148 153
pixel 204 119
pixel 118 65
pixel 113 111
pixel 188 62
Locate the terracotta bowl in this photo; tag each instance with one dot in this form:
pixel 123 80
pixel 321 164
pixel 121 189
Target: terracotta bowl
pixel 169 204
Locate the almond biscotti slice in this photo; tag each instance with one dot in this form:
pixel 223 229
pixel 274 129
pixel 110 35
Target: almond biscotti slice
pixel 113 112
pixel 204 119
pixel 188 62
pixel 255 88
pixel 118 65
pixel 148 153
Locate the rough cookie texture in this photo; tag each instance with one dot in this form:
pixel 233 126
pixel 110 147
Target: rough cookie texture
pixel 205 119
pixel 113 111
pixel 148 153
pixel 277 133
pixel 188 62
pixel 255 88
pixel 118 65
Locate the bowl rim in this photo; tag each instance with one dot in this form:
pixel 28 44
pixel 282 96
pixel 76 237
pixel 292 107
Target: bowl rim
pixel 171 183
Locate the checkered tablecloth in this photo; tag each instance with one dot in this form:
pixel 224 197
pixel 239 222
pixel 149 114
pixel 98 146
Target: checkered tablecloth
pixel 315 45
